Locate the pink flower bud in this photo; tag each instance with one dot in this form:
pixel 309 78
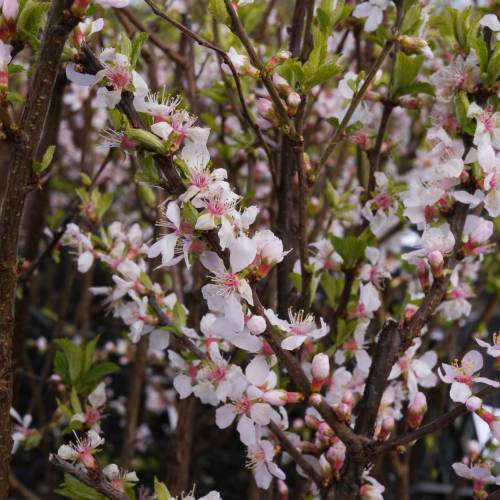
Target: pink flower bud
pixel 272 252
pixel 474 403
pixel 256 324
pixel 436 262
pixel 265 107
pixel 320 366
pixel 10 9
pixel 417 411
pixel 312 422
pixel 336 455
pixel 293 101
pixel 386 428
pixel 282 85
pixel 315 399
pixel 326 468
pixel 277 397
pixel 282 490
pixel 298 424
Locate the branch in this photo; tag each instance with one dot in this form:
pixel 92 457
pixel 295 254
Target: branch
pixel 164 321
pixel 436 425
pixel 209 45
pixel 291 449
pixel 99 484
pixel 339 132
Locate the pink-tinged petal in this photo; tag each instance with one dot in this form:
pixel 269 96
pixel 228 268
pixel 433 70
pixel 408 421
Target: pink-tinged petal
pixel 261 413
pixel 159 339
pixel 182 384
pixel 262 476
pixel 205 222
pixel 446 373
pixel 460 392
pixel 472 362
pixel 82 79
pixel 363 360
pixel 293 342
pixel 395 372
pixel 85 261
pixel 242 253
pixel 173 214
pixel 275 470
pixel 233 312
pixel 212 262
pixel 487 381
pixel 246 429
pixel 224 416
pixel 462 470
pixel 257 370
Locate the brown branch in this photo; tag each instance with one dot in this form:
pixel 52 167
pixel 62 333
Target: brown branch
pixel 99 484
pixel 356 100
pixel 182 339
pixel 21 180
pixel 209 45
pixel 291 449
pixel 434 426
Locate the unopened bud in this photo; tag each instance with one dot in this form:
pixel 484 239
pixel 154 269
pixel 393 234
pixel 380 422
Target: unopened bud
pixel 326 468
pixel 282 490
pixel 293 101
pixel 10 10
pixel 284 88
pixel 315 399
pixel 474 403
pixel 256 324
pixel 276 60
pixel 386 428
pixel 312 422
pixel 280 397
pixel 336 455
pixel 320 371
pixel 266 109
pixel 417 411
pixel 412 45
pixel 436 262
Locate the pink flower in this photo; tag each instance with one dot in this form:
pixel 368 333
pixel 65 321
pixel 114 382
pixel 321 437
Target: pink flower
pixel 461 376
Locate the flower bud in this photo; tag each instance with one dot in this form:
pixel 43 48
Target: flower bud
pixel 326 468
pixel 336 455
pixel 284 88
pixel 412 45
pixel 266 109
pixel 436 262
pixel 315 399
pixel 272 251
pixel 474 403
pixel 276 60
pixel 320 371
pixel 280 397
pixel 312 422
pixel 417 411
pixel 386 428
pixel 282 490
pixel 256 324
pixel 293 101
pixel 10 10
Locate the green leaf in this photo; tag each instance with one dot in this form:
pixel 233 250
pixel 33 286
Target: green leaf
pixel 61 367
pixel 416 88
pixel 96 373
pixel 31 19
pixel 124 45
pixel 40 166
pixel 147 139
pixel 137 44
pixel 161 491
pixel 406 69
pixel 322 74
pixel 75 402
pixel 146 194
pixel 76 490
pixel 350 248
pixel 105 201
pixel 148 171
pixel 218 9
pixel 74 356
pixel 412 20
pixel 494 66
pixel 332 288
pixel 461 104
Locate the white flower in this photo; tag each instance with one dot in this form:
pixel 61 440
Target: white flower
pixel 438 240
pixel 299 327
pixel 241 64
pixel 487 126
pixel 491 349
pixel 461 376
pixel 373 10
pixel 491 21
pixel 228 287
pixel 260 456
pixel 475 472
pixel 416 372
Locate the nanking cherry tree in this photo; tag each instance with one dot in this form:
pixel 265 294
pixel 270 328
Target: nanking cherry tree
pixel 249 245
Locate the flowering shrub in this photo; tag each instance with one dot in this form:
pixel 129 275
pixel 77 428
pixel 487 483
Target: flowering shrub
pixel 256 234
